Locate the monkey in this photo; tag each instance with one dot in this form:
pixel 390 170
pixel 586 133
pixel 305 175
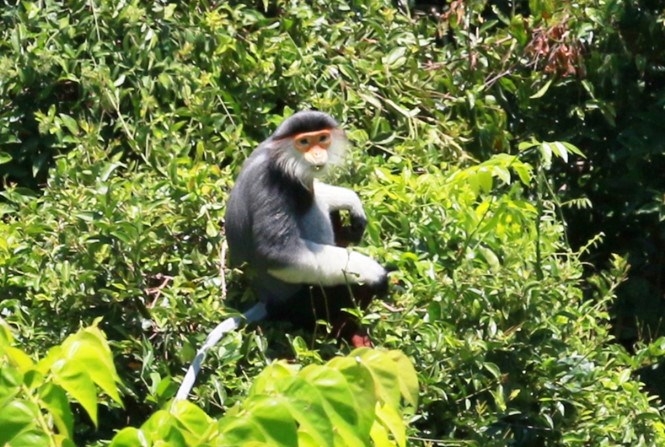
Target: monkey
pixel 278 220
pixel 283 227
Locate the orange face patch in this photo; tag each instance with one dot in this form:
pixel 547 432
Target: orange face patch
pixel 307 141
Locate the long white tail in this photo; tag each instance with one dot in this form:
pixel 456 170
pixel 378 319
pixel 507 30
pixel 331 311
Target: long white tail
pixel 256 313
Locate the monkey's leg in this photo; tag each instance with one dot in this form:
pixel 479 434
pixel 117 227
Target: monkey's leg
pixel 313 303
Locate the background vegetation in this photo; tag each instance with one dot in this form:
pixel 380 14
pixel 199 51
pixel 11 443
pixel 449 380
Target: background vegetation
pixel 520 261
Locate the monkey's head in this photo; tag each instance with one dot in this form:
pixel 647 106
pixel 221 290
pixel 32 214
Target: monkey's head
pixel 307 144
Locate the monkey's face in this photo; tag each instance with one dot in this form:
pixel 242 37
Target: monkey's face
pixel 308 154
pixel 314 147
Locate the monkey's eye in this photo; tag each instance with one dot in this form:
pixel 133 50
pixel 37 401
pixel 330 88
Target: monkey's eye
pixel 303 142
pixel 323 138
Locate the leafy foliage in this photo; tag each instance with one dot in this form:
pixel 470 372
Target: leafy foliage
pixel 122 126
pixel 34 396
pixel 345 402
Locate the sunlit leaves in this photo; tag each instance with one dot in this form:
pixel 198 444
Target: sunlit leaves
pixel 134 119
pixel 346 402
pixel 36 397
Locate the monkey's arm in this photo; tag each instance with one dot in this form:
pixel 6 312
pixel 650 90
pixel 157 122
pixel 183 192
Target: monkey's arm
pixel 328 265
pixel 337 198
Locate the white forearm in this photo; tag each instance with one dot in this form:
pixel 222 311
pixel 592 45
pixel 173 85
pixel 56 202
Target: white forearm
pixel 328 265
pixel 338 198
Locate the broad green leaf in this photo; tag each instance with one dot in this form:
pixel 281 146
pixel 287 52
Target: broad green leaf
pixel 6 337
pixel 10 383
pixel 573 149
pixel 15 418
pixel 78 384
pixel 523 171
pixel 546 154
pixel 55 401
pixel 525 145
pixel 306 405
pixel 89 348
pixel 19 359
pixel 373 100
pixel 163 426
pixel 484 178
pixel 502 173
pixel 379 435
pixel 239 430
pixel 130 437
pixel 274 419
pixel 407 376
pixel 36 437
pixel 362 386
pixel 383 372
pixel 271 377
pixel 339 403
pixel 390 418
pixel 395 58
pixel 5 157
pixel 192 419
pixel 108 170
pixel 490 257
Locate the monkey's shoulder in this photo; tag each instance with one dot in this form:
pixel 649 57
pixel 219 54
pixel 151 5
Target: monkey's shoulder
pixel 266 195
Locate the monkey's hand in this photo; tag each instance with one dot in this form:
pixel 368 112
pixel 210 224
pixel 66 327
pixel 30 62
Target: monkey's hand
pixel 357 227
pixel 365 270
pixel 335 199
pixel 347 231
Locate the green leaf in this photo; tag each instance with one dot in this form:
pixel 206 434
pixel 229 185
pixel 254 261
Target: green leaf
pixel 130 437
pixel 372 99
pixel 78 384
pixel 10 382
pixel 559 150
pixel 19 359
pixel 89 347
pixel 55 401
pixel 163 426
pixel 108 170
pixel 192 420
pixel 274 419
pixel 16 417
pixel 271 378
pixel 383 373
pixel 389 417
pixel 239 430
pixel 546 154
pixel 484 178
pixel 523 171
pixel 70 123
pixel 339 403
pixel 362 386
pixel 541 92
pixel 34 437
pixel 502 173
pixel 573 149
pixel 395 58
pixel 307 407
pixel 407 376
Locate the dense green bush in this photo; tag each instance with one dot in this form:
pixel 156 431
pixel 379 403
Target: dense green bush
pixel 123 124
